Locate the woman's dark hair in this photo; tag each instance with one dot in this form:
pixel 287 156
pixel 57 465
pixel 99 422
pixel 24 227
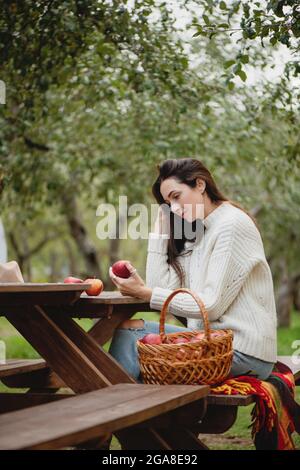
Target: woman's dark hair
pixel 186 170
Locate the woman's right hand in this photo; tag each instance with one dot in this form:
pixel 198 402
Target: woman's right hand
pixel 162 223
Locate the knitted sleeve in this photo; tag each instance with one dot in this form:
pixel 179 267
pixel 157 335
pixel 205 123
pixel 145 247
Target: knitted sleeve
pixel 158 271
pixel 237 250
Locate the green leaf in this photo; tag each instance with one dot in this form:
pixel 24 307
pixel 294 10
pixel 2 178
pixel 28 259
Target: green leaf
pixel 199 32
pixel 206 20
pixel 237 68
pixel 223 5
pixel 273 40
pixel 242 75
pixel 223 25
pixel 244 58
pixel 230 85
pixel 228 63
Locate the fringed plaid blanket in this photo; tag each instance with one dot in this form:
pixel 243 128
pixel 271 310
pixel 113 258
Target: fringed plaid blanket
pixel 276 415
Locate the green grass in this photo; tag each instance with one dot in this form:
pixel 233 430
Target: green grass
pixel 238 437
pixel 287 335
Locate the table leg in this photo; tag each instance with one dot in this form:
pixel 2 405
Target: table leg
pixel 109 367
pixel 103 330
pixel 60 352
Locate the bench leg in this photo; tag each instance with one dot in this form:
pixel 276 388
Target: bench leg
pixel 160 439
pixel 101 443
pixel 217 419
pixel 183 439
pixel 141 439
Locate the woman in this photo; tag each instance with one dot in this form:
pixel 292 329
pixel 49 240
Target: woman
pixel 225 265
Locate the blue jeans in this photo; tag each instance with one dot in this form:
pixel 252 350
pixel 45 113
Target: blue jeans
pixel 123 348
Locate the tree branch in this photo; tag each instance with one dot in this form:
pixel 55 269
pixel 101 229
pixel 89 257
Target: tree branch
pixel 35 145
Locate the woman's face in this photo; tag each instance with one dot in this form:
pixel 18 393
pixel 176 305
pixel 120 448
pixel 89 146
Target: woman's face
pixel 183 200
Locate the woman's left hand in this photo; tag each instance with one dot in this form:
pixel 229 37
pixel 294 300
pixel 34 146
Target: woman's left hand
pixel 133 286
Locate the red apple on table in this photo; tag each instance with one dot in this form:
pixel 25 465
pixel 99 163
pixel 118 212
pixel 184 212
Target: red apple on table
pixel 151 338
pixel 96 288
pixel 73 280
pixel 119 269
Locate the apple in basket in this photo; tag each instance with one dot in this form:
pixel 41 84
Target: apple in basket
pixel 151 338
pixel 197 353
pixel 216 333
pixel 198 337
pixel 180 355
pixel 180 340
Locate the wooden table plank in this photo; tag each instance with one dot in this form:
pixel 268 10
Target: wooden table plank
pixel 104 305
pixel 111 297
pixel 89 309
pixel 39 294
pixel 6 287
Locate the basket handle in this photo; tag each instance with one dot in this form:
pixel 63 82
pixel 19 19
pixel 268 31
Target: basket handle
pixel 201 305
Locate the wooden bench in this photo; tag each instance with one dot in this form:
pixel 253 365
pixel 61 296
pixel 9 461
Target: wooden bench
pixel 222 409
pixel 29 373
pixel 20 366
pixel 82 418
pixel 245 400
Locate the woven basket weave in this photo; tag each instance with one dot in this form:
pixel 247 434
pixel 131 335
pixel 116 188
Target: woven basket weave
pixel 207 361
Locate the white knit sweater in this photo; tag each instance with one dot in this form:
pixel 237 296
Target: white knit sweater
pixel 228 270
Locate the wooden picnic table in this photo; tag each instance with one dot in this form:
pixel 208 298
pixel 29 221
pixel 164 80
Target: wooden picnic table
pixel 44 315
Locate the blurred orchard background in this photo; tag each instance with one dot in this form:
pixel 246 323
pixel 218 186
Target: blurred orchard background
pixel 94 94
pixel 99 92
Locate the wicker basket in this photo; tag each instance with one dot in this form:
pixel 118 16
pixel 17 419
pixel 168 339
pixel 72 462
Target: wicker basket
pixel 207 361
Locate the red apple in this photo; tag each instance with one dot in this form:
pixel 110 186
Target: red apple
pixel 151 338
pixel 216 333
pixel 97 286
pixel 119 269
pixel 180 355
pixel 198 337
pixel 197 354
pixel 73 280
pixel 180 340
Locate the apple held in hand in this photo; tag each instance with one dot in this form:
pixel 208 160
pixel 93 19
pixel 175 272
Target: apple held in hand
pixel 151 338
pixel 73 280
pixel 119 269
pixel 96 288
